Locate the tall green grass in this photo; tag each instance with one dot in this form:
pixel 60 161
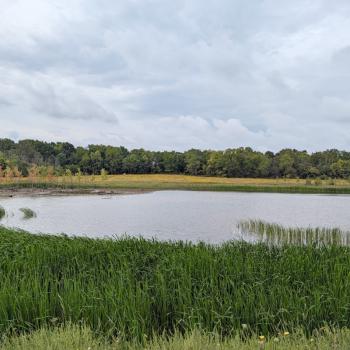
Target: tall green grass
pixel 136 288
pixel 278 235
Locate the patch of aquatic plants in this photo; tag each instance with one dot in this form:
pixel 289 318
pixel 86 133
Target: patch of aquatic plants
pixel 2 212
pixel 135 288
pixel 28 213
pixel 276 234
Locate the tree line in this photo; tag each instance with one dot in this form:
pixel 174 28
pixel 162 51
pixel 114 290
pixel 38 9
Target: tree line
pixel 25 157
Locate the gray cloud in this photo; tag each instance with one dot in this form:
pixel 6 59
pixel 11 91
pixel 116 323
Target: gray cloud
pixel 177 74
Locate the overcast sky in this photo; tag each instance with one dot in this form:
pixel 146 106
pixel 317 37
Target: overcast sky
pixel 176 74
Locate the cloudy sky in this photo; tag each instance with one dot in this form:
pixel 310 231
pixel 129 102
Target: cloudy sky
pixel 176 74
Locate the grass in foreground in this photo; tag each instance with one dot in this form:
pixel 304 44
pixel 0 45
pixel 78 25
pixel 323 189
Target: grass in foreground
pixel 182 182
pixel 132 288
pixel 82 338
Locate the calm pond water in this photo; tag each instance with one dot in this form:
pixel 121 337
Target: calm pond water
pixel 176 215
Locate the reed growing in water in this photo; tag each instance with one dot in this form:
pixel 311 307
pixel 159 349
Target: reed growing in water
pixel 2 212
pixel 276 234
pixel 28 213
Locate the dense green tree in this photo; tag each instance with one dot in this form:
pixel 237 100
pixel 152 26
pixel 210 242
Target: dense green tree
pixel 195 161
pixel 6 145
pixel 172 162
pixel 138 161
pixel 23 155
pixel 216 164
pixel 114 159
pixel 341 168
pixel 3 161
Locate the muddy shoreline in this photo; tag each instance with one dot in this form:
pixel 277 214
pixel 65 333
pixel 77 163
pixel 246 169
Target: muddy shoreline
pixel 18 192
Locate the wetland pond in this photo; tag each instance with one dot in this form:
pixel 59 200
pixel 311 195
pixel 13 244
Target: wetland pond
pixel 173 215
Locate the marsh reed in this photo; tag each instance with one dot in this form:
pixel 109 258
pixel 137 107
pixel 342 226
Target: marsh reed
pixel 275 234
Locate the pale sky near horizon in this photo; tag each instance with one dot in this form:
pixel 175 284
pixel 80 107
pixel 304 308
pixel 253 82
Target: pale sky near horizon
pixel 161 74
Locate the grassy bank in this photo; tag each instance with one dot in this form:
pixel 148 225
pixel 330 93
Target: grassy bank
pixel 134 288
pixel 182 182
pixel 82 338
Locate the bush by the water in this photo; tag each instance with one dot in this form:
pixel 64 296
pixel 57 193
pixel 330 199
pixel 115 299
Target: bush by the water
pixel 136 288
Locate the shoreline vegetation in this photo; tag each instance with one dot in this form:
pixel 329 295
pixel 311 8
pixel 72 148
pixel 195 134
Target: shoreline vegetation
pixel 119 184
pixel 133 293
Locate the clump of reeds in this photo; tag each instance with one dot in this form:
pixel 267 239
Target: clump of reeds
pixel 278 235
pixel 28 213
pixel 2 212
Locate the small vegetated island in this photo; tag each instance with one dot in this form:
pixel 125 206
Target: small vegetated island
pixel 288 290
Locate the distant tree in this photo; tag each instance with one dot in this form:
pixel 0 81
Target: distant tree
pixel 195 162
pixel 3 161
pixel 312 172
pixel 285 163
pixel 6 145
pixel 32 157
pixel 96 162
pixel 216 164
pixel 172 162
pixel 340 168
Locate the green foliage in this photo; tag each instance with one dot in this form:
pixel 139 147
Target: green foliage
pixel 135 288
pixel 274 234
pixel 28 213
pixel 2 212
pixel 239 162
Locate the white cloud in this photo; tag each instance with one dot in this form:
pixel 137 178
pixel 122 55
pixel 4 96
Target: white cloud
pixel 176 74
